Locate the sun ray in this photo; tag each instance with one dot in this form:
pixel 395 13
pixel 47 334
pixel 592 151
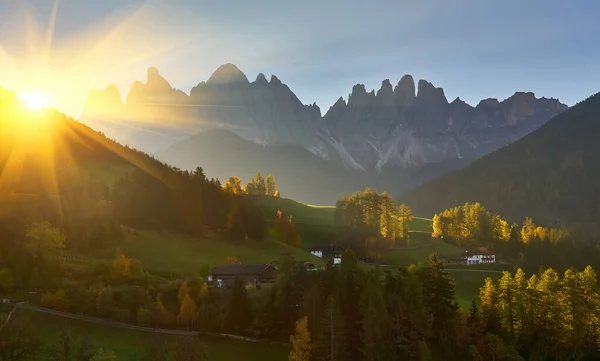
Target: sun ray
pixel 47 48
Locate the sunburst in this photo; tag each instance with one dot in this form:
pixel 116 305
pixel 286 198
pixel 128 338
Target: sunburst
pixel 34 100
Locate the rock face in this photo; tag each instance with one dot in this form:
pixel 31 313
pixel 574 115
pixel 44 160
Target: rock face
pixel 395 126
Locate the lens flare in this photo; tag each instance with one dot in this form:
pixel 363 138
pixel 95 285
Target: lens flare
pixel 34 100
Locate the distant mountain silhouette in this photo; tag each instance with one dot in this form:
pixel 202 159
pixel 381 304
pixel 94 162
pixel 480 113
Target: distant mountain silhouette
pixel 371 130
pixel 403 127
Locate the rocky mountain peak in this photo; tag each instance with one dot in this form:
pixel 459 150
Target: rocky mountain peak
pixel 261 79
pixel 429 94
pixel 404 93
pixel 155 82
pixel 489 103
pixel 227 74
pixel 525 95
pixel 457 101
pixel 385 92
pixel 113 93
pixel 275 80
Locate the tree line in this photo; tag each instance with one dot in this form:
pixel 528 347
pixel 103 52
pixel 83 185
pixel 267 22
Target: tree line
pixel 411 314
pixel 527 244
pixel 257 186
pixel 374 211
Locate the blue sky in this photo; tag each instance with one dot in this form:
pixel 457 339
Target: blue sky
pixel 474 49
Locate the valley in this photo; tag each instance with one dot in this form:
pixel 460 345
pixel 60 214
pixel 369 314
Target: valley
pixel 93 228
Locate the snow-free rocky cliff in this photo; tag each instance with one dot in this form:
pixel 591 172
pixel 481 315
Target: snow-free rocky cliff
pixel 395 126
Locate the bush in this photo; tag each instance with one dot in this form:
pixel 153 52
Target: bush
pixel 55 300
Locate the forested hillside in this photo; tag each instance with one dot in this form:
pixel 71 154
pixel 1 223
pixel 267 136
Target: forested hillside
pixel 551 175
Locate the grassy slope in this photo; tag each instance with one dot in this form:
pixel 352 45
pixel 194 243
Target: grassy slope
pixel 186 255
pixel 468 285
pixel 316 223
pixel 420 246
pixel 128 344
pixel 316 226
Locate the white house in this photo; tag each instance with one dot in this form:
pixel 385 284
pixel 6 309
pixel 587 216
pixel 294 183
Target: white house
pixel 481 255
pixel 333 252
pixel 316 252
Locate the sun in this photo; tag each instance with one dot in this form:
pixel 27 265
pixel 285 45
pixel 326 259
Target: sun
pixel 34 100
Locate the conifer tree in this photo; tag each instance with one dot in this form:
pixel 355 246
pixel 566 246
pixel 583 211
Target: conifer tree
pixel 350 306
pixel 404 216
pixel 260 187
pixel 488 294
pixel 520 303
pixel 507 302
pixel 270 187
pixel 188 311
pixel 328 342
pixel 239 317
pixel 575 311
pixel 375 318
pixel 439 299
pixel 301 344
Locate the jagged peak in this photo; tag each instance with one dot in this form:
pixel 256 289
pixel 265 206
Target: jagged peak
pixel 275 80
pixel 112 89
pixel 424 85
pixel 385 89
pixel 261 79
pixel 339 102
pixel 523 95
pixel 358 89
pixel 489 102
pixel 458 100
pixel 152 73
pixel 428 91
pixel 227 74
pixel 404 92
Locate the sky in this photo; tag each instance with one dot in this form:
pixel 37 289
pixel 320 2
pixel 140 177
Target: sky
pixel 473 49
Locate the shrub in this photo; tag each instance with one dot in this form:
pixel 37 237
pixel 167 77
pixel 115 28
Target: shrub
pixel 55 300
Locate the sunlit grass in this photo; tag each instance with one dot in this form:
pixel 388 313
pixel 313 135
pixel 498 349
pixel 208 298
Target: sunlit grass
pixel 186 255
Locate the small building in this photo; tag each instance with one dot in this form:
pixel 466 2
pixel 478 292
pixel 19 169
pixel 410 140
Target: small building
pixel 225 276
pixel 481 255
pixel 331 252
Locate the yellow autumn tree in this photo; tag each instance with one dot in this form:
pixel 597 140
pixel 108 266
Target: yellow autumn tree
pixel 301 344
pixel 187 311
pixel 184 289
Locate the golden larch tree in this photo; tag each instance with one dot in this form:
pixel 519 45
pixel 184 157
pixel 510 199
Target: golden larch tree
pixel 301 344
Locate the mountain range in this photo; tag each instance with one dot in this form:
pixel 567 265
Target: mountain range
pixel 396 137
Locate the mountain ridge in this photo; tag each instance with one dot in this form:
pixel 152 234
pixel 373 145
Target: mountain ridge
pixel 405 126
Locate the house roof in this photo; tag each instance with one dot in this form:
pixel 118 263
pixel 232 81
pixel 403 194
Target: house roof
pixel 480 250
pixel 241 269
pixel 328 248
